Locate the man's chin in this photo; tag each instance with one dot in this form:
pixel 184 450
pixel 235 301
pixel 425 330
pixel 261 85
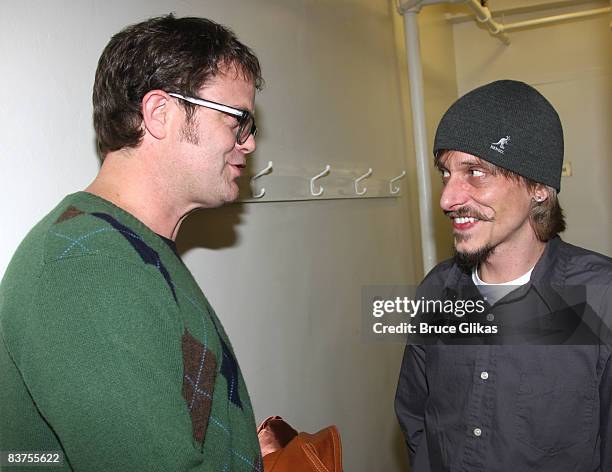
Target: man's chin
pixel 469 258
pixel 224 201
pixel 219 201
pixel 230 195
pixel 233 195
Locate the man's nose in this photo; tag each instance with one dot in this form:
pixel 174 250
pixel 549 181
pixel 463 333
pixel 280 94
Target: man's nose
pixel 248 146
pixel 454 194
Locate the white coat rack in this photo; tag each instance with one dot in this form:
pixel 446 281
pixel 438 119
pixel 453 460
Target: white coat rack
pixel 326 183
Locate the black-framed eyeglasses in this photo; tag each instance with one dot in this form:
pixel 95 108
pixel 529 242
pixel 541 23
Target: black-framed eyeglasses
pixel 246 120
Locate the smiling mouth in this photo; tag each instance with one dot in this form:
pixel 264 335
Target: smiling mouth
pixel 463 223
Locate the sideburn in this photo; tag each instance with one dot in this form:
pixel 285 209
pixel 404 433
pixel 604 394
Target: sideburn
pixel 189 131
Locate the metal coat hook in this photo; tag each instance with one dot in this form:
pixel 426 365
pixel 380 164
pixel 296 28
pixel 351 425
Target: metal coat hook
pixel 268 168
pixel 392 189
pixel 318 176
pixel 359 179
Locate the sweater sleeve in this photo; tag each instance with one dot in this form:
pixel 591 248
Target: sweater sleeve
pixel 101 357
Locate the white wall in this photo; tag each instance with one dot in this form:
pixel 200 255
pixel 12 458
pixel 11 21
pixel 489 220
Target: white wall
pixel 569 63
pixel 285 278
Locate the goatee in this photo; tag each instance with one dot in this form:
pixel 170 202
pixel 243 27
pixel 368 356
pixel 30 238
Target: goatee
pixel 469 260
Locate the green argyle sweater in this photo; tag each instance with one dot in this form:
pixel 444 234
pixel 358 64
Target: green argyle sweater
pixel 110 353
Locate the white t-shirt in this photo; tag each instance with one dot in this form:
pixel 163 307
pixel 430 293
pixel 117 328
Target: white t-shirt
pixel 495 292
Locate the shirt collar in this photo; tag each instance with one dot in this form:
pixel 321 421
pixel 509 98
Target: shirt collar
pixel 549 271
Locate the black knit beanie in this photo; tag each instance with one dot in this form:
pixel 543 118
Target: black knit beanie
pixel 509 124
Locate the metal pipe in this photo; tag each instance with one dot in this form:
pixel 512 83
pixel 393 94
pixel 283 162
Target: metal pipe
pixel 419 129
pixel 483 15
pixel 554 19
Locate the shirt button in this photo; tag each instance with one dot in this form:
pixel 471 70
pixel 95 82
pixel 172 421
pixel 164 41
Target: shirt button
pixel 477 432
pixel 484 375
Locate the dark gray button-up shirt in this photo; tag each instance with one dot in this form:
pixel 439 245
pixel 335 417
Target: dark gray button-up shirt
pixel 502 408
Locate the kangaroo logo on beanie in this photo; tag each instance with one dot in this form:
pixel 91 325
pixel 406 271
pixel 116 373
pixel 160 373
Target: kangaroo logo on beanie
pixel 500 146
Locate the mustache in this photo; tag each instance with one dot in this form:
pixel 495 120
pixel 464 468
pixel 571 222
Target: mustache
pixel 467 212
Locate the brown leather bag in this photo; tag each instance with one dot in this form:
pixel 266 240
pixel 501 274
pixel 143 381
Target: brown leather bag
pixel 285 450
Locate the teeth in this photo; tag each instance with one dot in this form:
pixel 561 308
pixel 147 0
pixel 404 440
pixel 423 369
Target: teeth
pixel 465 220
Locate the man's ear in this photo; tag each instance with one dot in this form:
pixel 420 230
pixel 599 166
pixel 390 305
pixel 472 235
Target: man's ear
pixel 540 193
pixel 155 113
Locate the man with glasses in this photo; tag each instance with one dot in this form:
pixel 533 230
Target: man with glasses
pixel 109 352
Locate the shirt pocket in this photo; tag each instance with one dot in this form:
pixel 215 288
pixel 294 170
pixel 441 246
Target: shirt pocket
pixel 450 370
pixel 553 414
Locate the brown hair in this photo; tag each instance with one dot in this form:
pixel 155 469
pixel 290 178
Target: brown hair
pixel 546 217
pixel 166 53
